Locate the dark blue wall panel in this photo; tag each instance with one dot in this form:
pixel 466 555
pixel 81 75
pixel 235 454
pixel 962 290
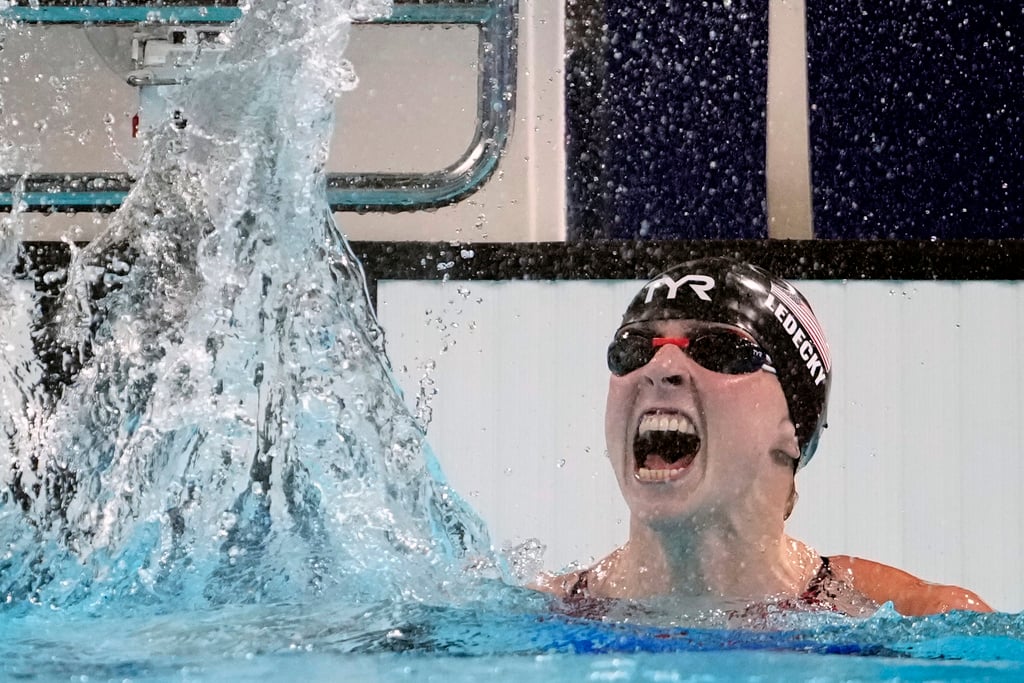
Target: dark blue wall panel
pixel 916 127
pixel 666 127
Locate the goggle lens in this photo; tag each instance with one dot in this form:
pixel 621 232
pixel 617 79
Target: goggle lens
pixel 716 350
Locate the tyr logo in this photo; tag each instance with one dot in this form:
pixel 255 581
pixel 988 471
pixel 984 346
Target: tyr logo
pixel 700 284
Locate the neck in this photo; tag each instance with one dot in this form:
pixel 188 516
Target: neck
pixel 713 558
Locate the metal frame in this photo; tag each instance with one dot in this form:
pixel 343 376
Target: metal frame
pixel 372 191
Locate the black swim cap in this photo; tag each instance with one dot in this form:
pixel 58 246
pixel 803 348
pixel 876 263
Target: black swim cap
pixel 768 308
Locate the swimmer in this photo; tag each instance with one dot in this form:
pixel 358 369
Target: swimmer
pixel 719 383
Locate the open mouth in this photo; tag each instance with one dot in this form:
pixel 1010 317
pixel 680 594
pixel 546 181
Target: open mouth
pixel 666 444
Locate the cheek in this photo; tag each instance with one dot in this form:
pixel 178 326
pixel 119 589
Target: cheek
pixel 747 415
pixel 617 410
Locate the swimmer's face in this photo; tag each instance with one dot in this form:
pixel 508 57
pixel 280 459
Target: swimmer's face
pixel 689 442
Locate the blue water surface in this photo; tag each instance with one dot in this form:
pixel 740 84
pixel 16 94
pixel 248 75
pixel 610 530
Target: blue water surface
pixel 520 637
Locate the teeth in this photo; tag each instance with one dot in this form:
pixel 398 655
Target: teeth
pixel 665 423
pixel 648 475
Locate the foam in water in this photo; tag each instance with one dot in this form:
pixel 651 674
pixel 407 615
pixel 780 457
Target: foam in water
pixel 235 434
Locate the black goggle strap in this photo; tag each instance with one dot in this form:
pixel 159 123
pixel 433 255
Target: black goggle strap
pixel 684 343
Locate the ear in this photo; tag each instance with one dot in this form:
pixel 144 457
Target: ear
pixel 786 447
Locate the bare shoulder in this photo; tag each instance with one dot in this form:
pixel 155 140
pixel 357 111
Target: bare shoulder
pixel 559 585
pixel 590 582
pixel 910 595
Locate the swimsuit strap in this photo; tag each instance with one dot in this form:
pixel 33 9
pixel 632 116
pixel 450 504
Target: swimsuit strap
pixel 579 587
pixel 817 588
pixel 815 591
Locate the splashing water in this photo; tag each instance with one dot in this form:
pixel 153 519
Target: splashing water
pixel 235 434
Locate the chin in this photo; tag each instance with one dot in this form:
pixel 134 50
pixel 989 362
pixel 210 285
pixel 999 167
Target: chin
pixel 666 513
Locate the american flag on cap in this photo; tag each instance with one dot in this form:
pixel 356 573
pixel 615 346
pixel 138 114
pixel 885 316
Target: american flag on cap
pixel 802 312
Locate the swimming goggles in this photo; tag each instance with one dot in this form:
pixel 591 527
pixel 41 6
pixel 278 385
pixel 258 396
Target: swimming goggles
pixel 717 350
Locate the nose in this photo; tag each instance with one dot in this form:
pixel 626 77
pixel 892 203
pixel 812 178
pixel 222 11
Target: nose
pixel 670 366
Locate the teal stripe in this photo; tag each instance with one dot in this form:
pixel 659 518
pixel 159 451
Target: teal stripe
pixel 337 197
pixel 59 199
pixel 412 197
pixel 439 14
pixel 122 15
pixel 402 14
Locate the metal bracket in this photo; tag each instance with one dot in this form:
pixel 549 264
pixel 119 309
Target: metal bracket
pixel 391 192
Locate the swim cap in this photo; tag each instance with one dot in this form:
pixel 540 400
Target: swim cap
pixel 769 309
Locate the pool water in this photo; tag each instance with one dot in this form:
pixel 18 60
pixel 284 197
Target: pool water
pixel 527 642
